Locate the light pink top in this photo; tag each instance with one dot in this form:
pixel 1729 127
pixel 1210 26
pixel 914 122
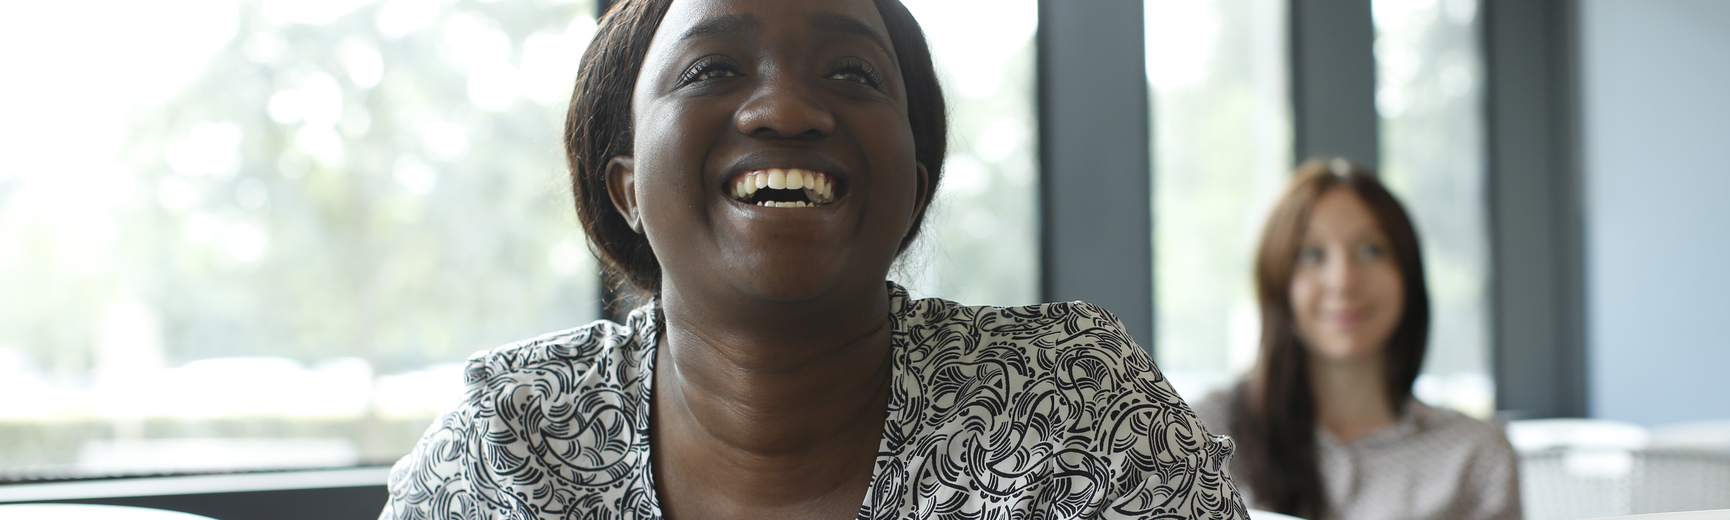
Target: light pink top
pixel 1433 463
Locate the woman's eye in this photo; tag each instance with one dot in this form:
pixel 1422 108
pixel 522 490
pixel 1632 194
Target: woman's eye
pixel 1371 251
pixel 857 71
pixel 707 69
pixel 1310 256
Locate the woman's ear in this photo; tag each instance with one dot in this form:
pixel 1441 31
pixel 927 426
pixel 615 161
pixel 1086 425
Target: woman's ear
pixel 923 199
pixel 622 188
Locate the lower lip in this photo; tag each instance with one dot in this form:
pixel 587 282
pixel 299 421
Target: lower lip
pixel 1347 319
pixel 756 210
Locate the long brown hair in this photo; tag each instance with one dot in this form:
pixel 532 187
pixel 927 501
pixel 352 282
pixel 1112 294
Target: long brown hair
pixel 1274 410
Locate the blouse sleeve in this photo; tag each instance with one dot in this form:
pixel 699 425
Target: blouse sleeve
pixel 1170 466
pixel 434 480
pixel 1496 468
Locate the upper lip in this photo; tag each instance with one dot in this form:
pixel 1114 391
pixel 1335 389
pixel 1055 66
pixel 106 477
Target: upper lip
pixel 784 159
pixel 1350 315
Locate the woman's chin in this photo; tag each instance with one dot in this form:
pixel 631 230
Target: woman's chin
pixel 788 289
pixel 805 275
pixel 1346 351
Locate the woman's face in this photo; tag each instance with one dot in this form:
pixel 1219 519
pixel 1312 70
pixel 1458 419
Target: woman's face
pixel 1347 292
pixel 773 154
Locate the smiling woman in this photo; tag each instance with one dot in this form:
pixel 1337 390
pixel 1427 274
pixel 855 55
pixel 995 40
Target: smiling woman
pixel 1326 419
pixel 756 166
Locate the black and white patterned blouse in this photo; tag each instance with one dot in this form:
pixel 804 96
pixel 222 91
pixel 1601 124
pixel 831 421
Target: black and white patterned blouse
pixel 1045 411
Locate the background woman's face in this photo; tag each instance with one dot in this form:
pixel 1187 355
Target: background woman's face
pixel 1347 293
pixel 790 91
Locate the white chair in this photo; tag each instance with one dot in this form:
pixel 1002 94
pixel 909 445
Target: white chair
pixel 1583 468
pixel 1700 435
pixel 1540 434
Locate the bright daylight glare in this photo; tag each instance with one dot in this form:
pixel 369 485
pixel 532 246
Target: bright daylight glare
pixel 264 234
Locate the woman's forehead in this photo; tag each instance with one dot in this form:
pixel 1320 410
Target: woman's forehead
pixel 688 19
pixel 1341 211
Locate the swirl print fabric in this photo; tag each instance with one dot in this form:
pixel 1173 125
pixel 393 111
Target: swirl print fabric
pixel 1038 412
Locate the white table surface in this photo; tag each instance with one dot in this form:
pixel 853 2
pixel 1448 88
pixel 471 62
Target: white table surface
pixel 89 512
pixel 1257 514
pixel 1715 514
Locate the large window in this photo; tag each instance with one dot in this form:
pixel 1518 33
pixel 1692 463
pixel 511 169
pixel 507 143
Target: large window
pixel 1222 145
pixel 1430 95
pixel 981 236
pixel 265 233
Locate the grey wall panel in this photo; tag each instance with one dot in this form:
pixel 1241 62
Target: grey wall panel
pixel 1656 147
pixel 1333 80
pixel 1534 195
pixel 1096 205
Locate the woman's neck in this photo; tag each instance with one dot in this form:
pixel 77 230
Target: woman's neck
pixel 1350 396
pixel 771 406
pixel 770 388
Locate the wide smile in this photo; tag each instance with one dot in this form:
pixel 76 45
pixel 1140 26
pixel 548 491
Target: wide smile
pixel 785 188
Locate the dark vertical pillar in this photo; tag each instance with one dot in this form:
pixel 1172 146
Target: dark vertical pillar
pixel 1333 80
pixel 1096 235
pixel 1535 207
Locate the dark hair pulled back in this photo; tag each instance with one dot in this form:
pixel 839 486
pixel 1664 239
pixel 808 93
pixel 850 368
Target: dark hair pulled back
pixel 598 126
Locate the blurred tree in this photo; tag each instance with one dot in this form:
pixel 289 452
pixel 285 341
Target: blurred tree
pixel 385 184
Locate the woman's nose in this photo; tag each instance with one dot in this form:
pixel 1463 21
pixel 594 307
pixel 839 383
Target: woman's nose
pixel 1342 273
pixel 784 109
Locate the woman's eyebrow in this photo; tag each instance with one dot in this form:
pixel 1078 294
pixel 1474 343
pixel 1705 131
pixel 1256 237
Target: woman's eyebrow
pixel 723 25
pixel 840 23
pixel 1370 232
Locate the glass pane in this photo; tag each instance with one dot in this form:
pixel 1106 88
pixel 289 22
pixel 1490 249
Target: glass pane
pixel 263 233
pixel 980 243
pixel 1221 151
pixel 1430 94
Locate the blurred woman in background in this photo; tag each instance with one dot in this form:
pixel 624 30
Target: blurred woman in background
pixel 1325 422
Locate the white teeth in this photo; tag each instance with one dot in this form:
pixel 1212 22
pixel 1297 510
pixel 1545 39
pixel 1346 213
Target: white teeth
pixel 818 188
pixel 773 204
